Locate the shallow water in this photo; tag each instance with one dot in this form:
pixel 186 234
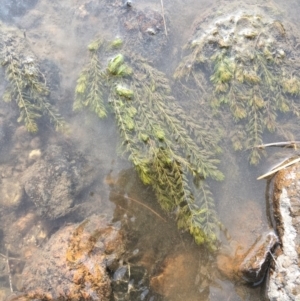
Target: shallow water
pixel 58 31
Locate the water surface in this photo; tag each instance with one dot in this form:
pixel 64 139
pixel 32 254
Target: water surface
pixel 58 32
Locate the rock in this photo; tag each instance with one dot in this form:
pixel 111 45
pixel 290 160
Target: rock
pixel 3 133
pixel 35 143
pixel 11 193
pixel 55 179
pixel 242 229
pixel 34 155
pixel 12 8
pixel 284 280
pixel 130 282
pixel 73 263
pixel 177 277
pixel 251 266
pixel 256 262
pixel 128 3
pixel 22 230
pixel 21 139
pixel 144 32
pixel 237 260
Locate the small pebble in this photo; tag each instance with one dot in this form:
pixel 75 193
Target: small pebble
pixel 128 3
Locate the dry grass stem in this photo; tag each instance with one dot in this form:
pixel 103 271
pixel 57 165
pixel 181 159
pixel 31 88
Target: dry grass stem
pixel 140 203
pixel 280 144
pixel 163 15
pixel 273 171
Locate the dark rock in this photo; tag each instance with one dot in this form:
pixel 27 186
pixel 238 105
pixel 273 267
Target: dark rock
pixel 3 133
pixel 144 32
pixel 52 72
pixel 128 3
pixel 130 282
pixel 251 266
pixel 54 181
pixel 256 262
pixel 13 8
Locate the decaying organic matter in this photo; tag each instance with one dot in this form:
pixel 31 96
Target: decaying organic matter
pixel 169 150
pixel 245 59
pixel 27 84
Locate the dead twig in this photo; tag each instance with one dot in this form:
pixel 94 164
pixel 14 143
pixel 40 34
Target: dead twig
pixel 140 203
pixel 280 144
pixel 274 170
pixel 275 261
pixel 163 15
pixel 7 259
pixel 9 273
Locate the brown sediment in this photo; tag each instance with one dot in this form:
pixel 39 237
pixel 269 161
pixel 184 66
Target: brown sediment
pixel 72 265
pixel 177 276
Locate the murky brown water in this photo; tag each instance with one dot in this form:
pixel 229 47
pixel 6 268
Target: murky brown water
pixel 59 32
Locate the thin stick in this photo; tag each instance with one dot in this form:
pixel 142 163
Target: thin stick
pixel 9 274
pixel 11 258
pixel 278 168
pixel 257 39
pixel 286 143
pixel 275 260
pixel 140 203
pixel 198 82
pixel 163 15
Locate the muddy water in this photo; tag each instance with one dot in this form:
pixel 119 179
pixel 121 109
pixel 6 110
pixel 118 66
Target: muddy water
pixel 59 31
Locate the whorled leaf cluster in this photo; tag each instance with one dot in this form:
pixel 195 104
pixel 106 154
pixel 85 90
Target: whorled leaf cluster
pixel 169 150
pixel 27 84
pixel 247 63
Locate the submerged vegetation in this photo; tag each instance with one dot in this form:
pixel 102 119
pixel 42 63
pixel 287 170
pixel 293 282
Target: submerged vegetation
pixel 27 84
pixel 168 149
pixel 247 64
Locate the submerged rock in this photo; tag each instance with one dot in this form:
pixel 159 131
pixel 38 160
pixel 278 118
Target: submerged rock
pixel 73 264
pixel 11 193
pixel 54 180
pixel 256 262
pixel 241 56
pixel 177 277
pixel 13 8
pixel 284 282
pixel 251 266
pixel 144 32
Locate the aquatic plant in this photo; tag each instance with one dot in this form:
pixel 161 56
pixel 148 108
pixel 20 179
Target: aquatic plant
pixel 168 149
pixel 245 62
pixel 27 84
pixel 89 87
